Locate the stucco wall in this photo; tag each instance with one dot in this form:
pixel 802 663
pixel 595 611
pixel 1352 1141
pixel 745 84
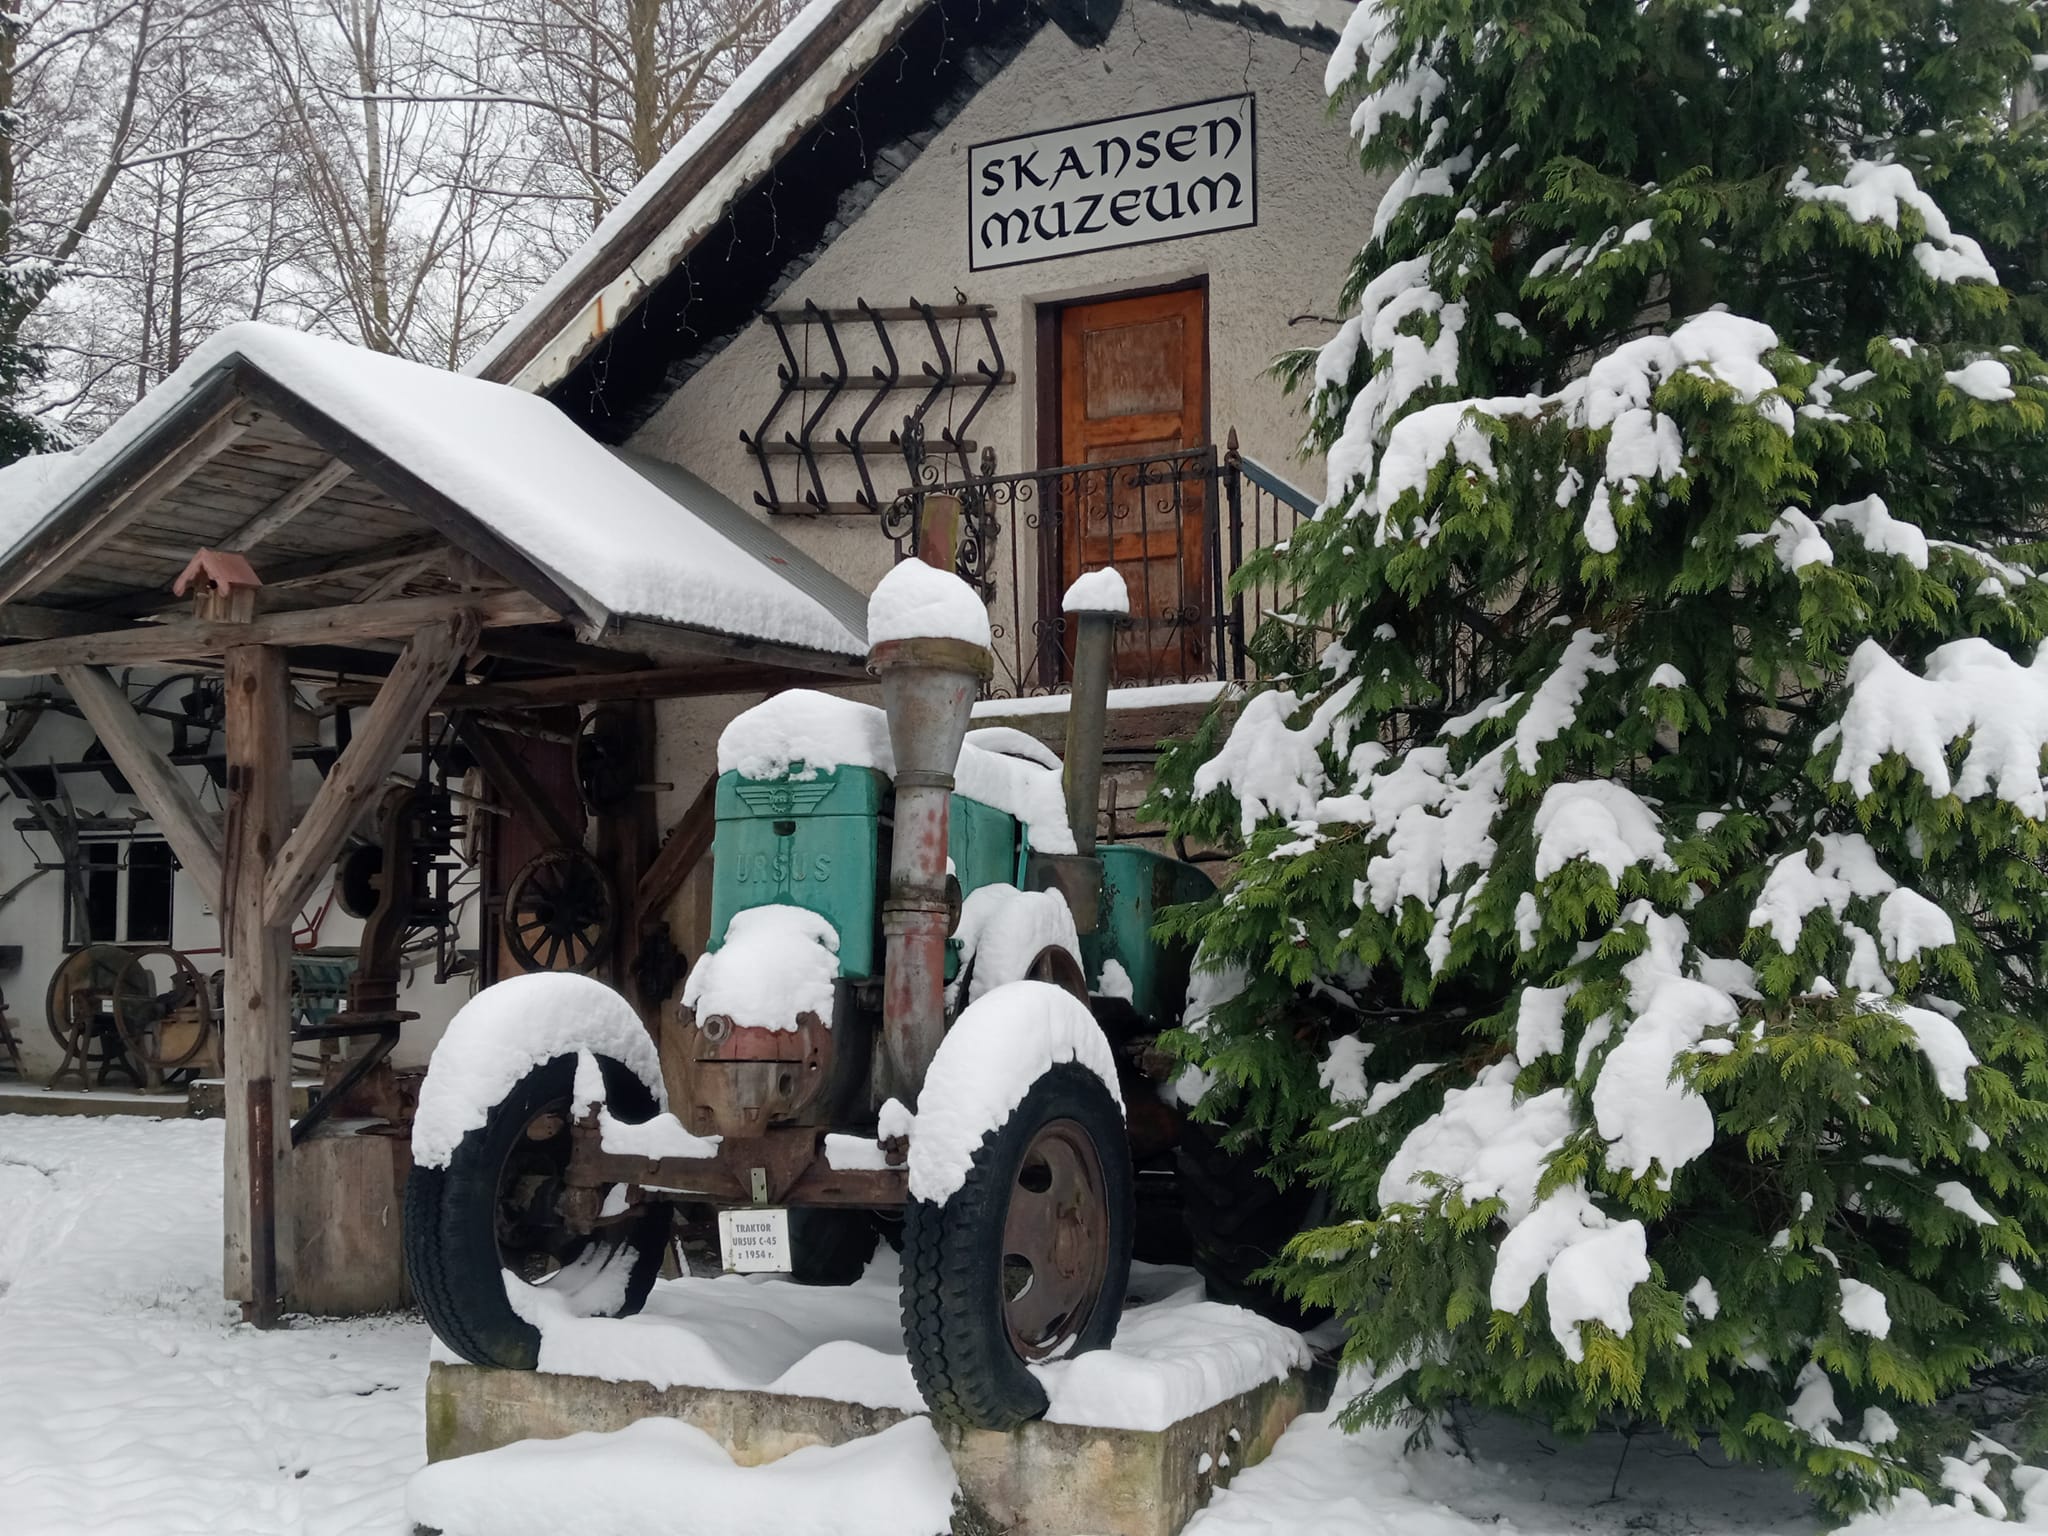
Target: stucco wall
pixel 1315 211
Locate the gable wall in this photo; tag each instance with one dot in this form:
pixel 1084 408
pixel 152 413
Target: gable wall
pixel 1315 211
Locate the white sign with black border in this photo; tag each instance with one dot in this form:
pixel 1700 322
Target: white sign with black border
pixel 1150 176
pixel 755 1241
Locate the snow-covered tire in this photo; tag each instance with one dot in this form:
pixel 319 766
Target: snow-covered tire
pixel 1238 1220
pixel 452 1253
pixel 966 1363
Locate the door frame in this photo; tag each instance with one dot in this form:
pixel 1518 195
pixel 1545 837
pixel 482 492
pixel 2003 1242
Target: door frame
pixel 1046 399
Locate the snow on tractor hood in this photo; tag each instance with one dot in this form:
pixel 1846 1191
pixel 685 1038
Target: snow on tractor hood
pixel 802 733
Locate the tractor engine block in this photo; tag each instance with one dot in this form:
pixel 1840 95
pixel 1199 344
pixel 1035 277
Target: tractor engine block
pixel 733 1081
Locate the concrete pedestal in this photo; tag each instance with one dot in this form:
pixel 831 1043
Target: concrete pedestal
pixel 1043 1480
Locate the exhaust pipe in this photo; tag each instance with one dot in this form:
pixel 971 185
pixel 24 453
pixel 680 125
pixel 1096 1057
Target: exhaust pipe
pixel 929 682
pixel 1094 605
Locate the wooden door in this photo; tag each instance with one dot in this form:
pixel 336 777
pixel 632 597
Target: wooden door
pixel 1133 387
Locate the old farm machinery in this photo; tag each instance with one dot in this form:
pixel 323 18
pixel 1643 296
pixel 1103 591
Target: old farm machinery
pixel 972 1071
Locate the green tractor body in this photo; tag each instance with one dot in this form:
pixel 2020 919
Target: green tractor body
pixel 819 840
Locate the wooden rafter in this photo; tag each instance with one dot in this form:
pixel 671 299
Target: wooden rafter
pixel 157 784
pixel 190 639
pixel 287 506
pixel 373 751
pixel 65 547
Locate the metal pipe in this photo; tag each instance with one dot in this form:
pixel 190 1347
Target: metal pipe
pixel 928 690
pixel 1087 723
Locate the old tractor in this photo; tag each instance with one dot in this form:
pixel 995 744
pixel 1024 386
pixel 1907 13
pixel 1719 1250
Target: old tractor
pixel 896 1032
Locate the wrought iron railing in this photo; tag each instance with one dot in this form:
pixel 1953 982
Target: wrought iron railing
pixel 1178 525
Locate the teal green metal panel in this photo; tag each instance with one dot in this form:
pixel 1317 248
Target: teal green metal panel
pixel 1138 885
pixel 810 843
pixel 982 843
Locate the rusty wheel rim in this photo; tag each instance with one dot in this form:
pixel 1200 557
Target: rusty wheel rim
pixel 1055 1241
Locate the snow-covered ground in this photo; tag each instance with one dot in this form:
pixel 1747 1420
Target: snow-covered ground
pixel 132 1401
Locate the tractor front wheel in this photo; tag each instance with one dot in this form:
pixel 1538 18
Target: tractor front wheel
pixel 490 1224
pixel 1027 1261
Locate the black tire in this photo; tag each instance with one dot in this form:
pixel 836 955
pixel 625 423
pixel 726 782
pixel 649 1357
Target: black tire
pixel 954 1323
pixel 830 1247
pixel 452 1253
pixel 1238 1221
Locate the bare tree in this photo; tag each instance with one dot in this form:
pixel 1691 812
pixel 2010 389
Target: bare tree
pixel 391 171
pixel 607 87
pixel 74 120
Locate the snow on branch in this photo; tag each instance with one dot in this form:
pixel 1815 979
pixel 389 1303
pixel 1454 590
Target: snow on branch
pixel 1875 192
pixel 1971 689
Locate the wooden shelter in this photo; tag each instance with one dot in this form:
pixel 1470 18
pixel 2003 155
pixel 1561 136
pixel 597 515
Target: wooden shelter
pixel 419 544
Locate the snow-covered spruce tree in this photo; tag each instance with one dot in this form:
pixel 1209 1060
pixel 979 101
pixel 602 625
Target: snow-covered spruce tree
pixel 1639 926
pixel 21 368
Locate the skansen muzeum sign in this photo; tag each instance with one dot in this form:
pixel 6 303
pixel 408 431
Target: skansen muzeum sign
pixel 1190 170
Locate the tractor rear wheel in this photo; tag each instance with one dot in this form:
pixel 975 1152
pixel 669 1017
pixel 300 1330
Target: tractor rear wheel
pixel 1238 1221
pixel 1027 1261
pixel 490 1220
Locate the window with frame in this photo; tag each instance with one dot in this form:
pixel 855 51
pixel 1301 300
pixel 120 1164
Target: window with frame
pixel 123 889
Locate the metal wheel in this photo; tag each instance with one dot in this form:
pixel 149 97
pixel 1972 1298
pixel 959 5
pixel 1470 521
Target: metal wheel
pixel 559 912
pixel 1056 963
pixel 80 984
pixel 533 1240
pixel 1055 1241
pixel 163 1027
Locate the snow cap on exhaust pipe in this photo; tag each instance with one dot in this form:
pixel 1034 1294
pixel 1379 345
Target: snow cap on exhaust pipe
pixel 928 638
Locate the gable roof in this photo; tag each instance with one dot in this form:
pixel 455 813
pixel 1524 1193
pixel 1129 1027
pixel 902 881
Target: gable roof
pixel 789 107
pixel 503 473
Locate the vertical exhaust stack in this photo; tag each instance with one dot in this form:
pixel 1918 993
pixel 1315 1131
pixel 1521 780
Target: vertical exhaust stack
pixel 928 643
pixel 1094 604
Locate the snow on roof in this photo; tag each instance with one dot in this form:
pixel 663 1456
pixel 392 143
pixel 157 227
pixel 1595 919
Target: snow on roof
pixel 613 538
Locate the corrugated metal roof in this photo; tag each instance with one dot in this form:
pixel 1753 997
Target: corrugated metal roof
pixel 728 518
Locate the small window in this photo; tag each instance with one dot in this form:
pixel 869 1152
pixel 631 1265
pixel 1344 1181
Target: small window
pixel 149 893
pixel 122 889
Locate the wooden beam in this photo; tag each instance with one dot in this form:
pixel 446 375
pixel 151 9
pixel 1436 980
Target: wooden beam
pixel 516 786
pixel 190 639
pixel 287 506
pixel 604 687
pixel 673 643
pixel 359 774
pixel 160 787
pixel 66 546
pixel 367 561
pixel 256 1032
pixel 685 848
pixel 24 621
pixel 394 581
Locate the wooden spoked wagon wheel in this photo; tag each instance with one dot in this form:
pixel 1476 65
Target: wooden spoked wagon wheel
pixel 559 912
pixel 163 1008
pixel 79 1006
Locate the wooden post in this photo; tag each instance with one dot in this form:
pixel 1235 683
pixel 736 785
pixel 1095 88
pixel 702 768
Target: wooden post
pixel 627 841
pixel 256 1032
